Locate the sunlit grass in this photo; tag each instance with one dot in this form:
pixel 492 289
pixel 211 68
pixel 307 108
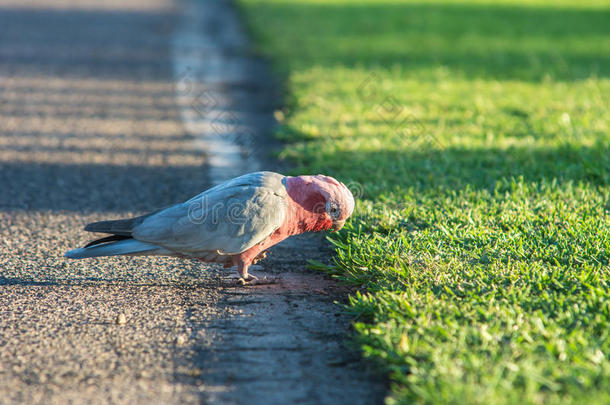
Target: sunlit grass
pixel 477 137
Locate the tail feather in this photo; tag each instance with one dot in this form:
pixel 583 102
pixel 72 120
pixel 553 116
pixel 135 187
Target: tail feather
pixel 110 238
pixel 120 247
pixel 118 226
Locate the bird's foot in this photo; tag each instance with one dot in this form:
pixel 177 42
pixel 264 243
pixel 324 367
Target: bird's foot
pixel 253 280
pixel 259 257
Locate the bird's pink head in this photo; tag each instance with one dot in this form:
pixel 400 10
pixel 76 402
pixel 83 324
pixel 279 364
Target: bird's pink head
pixel 324 196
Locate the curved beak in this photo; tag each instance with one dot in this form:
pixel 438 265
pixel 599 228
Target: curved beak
pixel 337 225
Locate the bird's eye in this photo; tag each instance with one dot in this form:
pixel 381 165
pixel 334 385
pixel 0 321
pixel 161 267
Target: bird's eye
pixel 333 210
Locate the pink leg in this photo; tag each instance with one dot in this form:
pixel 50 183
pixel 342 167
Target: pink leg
pixel 242 269
pixel 245 278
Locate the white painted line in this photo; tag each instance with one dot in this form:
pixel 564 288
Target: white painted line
pixel 204 63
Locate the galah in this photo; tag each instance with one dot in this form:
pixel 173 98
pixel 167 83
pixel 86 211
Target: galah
pixel 232 223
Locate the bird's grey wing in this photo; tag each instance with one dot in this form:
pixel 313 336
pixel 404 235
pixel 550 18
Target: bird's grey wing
pixel 228 220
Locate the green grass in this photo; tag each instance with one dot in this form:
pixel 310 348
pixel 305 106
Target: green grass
pixel 476 135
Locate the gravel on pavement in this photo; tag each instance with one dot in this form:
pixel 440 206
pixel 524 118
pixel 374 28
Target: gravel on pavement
pixel 90 129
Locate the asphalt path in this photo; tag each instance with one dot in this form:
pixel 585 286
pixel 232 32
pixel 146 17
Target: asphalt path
pixel 93 126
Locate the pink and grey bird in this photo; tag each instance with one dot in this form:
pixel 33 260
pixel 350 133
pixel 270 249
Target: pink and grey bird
pixel 232 223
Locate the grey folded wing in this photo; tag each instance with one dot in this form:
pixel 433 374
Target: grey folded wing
pixel 228 219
